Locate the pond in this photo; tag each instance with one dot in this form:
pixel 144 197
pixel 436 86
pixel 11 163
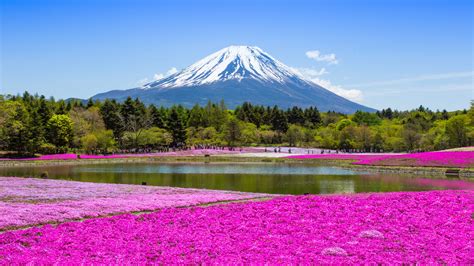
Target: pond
pixel 277 178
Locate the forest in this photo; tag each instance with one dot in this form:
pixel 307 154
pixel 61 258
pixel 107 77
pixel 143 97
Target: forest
pixel 32 124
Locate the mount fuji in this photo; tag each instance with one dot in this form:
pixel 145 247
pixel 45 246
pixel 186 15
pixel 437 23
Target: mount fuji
pixel 237 74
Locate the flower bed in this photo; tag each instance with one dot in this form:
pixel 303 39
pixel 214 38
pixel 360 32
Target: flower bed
pixel 193 152
pixel 390 228
pixel 30 201
pixel 458 159
pixel 337 156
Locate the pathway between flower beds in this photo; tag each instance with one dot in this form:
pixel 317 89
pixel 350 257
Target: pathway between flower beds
pixel 433 227
pixel 32 201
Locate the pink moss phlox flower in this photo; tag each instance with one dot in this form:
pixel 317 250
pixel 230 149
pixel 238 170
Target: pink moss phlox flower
pixel 461 159
pixel 423 228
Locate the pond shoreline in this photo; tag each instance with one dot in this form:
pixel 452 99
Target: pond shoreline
pixel 347 164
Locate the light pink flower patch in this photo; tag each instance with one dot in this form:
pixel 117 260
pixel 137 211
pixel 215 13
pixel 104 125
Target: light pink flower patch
pixel 371 234
pixel 334 251
pixel 31 201
pixel 423 228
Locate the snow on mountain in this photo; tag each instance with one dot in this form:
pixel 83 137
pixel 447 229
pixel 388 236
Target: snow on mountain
pixel 237 74
pixel 233 62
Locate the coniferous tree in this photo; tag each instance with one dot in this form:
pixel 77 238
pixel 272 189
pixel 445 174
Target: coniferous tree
pixel 176 126
pixel 113 120
pixel 296 116
pixel 312 116
pixel 279 120
pixel 196 117
pixel 158 116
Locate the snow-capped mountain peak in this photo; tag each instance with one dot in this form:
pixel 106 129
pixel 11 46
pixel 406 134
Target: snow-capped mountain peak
pixel 237 74
pixel 230 63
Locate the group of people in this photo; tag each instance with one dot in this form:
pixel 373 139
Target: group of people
pixel 319 151
pixel 213 147
pixel 178 148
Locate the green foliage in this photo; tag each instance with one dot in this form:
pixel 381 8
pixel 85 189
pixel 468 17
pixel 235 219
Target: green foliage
pixel 14 123
pixel 364 118
pixel 457 131
pixel 60 130
pixel 176 125
pixel 233 132
pixel 267 136
pixel 32 123
pixel 341 124
pixel 110 111
pixel 155 137
pixel 202 136
pixel 85 122
pixel 249 134
pixel 278 120
pixel 47 148
pixel 100 141
pixel 294 135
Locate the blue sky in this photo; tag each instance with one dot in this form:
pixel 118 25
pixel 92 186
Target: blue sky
pixel 397 54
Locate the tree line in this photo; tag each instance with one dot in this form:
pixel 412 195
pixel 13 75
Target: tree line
pixel 33 124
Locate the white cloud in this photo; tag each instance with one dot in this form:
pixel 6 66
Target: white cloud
pixel 316 55
pixel 311 72
pixel 143 81
pixel 351 94
pixel 314 75
pixel 158 76
pixel 171 71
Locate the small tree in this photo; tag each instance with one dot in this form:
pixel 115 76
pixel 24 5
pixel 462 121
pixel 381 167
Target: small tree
pixel 14 130
pixel 60 130
pixel 294 135
pixel 155 137
pixel 89 143
pixel 456 131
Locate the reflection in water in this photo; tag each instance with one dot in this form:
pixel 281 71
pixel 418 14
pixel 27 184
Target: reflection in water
pixel 218 168
pixel 280 178
pixel 336 186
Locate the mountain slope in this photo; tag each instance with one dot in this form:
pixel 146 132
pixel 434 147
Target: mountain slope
pixel 238 74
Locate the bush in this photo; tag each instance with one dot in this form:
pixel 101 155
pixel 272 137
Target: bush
pixel 47 148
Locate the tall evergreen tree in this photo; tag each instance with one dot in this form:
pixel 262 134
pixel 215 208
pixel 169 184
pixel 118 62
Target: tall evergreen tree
pixel 279 120
pixel 295 115
pixel 196 117
pixel 113 120
pixel 158 116
pixel 176 126
pixel 312 116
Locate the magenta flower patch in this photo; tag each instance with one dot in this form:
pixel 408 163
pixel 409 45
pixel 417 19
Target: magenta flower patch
pixel 433 227
pixel 461 159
